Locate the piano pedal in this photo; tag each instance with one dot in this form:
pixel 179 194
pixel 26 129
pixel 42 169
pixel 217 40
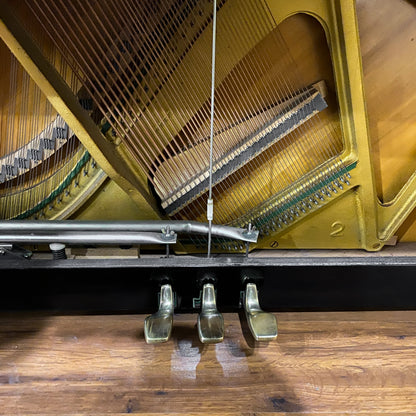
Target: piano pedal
pixel 263 325
pixel 158 327
pixel 210 321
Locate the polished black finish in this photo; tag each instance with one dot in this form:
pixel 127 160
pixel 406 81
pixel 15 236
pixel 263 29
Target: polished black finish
pixel 285 284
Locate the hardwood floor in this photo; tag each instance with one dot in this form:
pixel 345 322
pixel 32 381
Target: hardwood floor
pixel 321 363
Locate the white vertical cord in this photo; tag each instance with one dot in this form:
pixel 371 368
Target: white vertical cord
pixel 210 202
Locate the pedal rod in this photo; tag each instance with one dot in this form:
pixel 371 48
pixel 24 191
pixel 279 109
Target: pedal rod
pixel 189 227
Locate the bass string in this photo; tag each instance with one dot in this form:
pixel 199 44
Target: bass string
pixel 161 64
pixel 150 120
pixel 64 157
pixel 172 59
pixel 37 193
pixel 148 98
pixel 160 120
pixel 176 58
pixel 29 107
pixel 35 185
pixel 42 189
pixel 197 241
pixel 179 122
pixel 22 125
pixel 167 59
pixel 16 130
pixel 75 58
pixel 90 80
pixel 10 130
pixel 130 127
pixel 194 120
pixel 29 126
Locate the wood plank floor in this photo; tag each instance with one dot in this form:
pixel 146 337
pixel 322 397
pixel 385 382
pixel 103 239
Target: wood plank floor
pixel 322 363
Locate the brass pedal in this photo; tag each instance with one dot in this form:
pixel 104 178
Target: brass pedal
pixel 158 327
pixel 263 325
pixel 210 321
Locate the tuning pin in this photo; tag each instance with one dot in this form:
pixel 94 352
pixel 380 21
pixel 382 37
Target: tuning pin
pixel 210 321
pixel 263 325
pixel 158 327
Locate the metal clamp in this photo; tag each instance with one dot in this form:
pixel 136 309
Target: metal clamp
pixel 210 321
pixel 13 250
pixel 263 325
pixel 158 327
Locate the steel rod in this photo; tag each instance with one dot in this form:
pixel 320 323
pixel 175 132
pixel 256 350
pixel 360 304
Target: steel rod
pixel 84 237
pixel 190 227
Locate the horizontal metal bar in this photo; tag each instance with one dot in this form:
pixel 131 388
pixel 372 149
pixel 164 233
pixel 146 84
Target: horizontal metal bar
pixel 218 262
pixel 192 227
pixel 87 237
